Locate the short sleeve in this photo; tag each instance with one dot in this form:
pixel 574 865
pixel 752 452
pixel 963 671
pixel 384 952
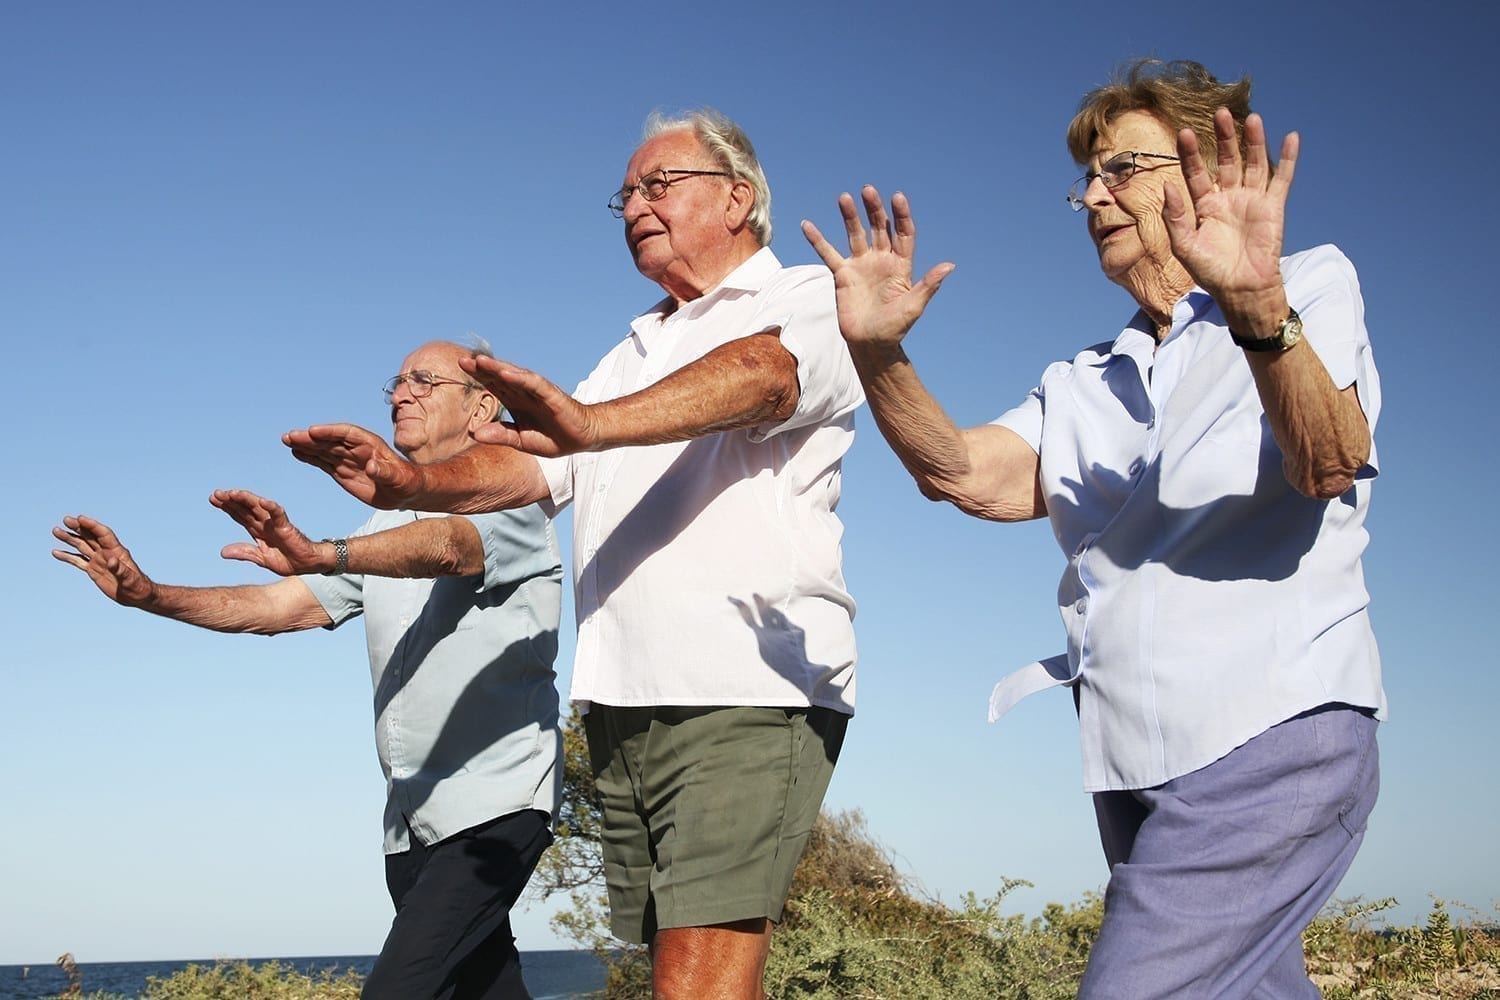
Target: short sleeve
pixel 799 301
pixel 1322 286
pixel 518 545
pixel 342 595
pixel 1025 419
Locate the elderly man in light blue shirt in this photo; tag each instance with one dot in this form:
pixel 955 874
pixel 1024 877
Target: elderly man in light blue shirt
pixel 461 617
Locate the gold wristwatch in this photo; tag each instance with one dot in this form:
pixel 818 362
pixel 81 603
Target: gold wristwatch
pixel 1288 334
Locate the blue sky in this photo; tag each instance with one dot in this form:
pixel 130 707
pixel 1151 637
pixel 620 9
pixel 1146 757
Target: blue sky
pixel 221 222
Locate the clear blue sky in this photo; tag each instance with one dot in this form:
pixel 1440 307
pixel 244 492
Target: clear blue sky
pixel 220 222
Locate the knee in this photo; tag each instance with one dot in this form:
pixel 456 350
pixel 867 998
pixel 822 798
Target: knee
pixel 722 962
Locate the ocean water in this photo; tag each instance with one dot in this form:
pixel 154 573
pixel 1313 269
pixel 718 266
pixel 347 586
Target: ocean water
pixel 550 975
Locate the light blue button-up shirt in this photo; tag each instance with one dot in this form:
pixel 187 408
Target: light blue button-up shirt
pixel 1204 599
pixel 466 720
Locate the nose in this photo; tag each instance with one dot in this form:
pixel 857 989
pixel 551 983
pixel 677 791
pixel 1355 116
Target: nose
pixel 636 205
pixel 1097 194
pixel 402 393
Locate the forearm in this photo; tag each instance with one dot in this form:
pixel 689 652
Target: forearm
pixel 986 471
pixel 1321 430
pixel 428 547
pixel 743 383
pixel 480 479
pixel 267 609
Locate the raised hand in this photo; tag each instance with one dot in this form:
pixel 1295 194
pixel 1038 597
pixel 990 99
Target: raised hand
pixel 877 302
pixel 358 460
pixel 1230 243
pixel 94 549
pixel 544 420
pixel 278 545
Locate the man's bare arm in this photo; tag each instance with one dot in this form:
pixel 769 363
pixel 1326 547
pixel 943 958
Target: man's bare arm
pixel 428 547
pixel 265 609
pixel 749 381
pixel 481 478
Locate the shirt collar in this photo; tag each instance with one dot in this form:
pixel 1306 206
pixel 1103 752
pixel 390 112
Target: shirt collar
pixel 1190 308
pixel 749 276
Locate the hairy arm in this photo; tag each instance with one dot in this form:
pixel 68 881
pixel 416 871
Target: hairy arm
pixel 745 382
pixel 482 478
pixel 425 548
pixel 266 609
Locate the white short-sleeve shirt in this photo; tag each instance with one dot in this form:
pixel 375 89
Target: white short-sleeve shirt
pixel 1204 599
pixel 709 572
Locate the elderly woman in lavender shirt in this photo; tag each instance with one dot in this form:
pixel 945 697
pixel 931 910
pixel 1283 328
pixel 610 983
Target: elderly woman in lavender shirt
pixel 1207 471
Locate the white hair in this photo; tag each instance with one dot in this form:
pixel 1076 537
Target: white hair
pixel 730 148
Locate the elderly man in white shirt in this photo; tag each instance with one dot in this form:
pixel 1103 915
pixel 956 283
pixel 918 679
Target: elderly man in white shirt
pixel 1207 473
pixel 715 639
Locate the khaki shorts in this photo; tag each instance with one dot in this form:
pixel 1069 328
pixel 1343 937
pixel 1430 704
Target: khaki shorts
pixel 706 810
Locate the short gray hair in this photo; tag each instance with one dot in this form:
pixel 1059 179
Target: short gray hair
pixel 475 345
pixel 730 148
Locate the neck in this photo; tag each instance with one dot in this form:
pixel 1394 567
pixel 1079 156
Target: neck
pixel 1156 286
pixel 694 283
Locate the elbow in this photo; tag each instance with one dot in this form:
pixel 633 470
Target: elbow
pixel 1326 481
pixel 461 553
pixel 775 368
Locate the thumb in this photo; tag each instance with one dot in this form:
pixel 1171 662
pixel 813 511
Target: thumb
pixel 932 281
pixel 243 552
pixel 1180 222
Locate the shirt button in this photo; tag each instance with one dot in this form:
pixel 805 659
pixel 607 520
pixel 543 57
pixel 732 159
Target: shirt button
pixel 1080 605
pixel 1136 467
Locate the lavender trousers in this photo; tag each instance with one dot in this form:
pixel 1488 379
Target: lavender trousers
pixel 1214 875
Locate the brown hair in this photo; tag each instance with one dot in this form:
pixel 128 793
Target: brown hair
pixel 1181 94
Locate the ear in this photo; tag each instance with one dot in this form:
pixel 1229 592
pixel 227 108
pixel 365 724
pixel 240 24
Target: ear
pixel 737 210
pixel 484 409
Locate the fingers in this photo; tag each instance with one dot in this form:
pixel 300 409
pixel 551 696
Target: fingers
pixel 880 226
pixel 1194 170
pixel 1227 147
pixel 904 227
pixel 932 281
pixel 491 373
pixel 853 228
pixel 831 258
pixel 498 433
pixel 1281 181
pixel 243 552
pixel 1180 223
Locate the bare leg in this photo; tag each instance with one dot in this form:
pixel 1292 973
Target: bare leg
pixel 718 962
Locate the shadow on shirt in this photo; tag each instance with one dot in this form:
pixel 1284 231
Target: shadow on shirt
pixel 1262 535
pixel 470 728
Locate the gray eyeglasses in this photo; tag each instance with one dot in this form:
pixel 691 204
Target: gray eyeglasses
pixel 420 383
pixel 1113 172
pixel 654 185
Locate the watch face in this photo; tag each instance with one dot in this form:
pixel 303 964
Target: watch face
pixel 1291 331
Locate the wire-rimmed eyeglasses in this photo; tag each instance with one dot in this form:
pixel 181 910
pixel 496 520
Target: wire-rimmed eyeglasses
pixel 1113 172
pixel 654 185
pixel 420 383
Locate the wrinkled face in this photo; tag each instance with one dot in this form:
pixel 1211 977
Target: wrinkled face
pixel 1125 222
pixel 435 427
pixel 680 232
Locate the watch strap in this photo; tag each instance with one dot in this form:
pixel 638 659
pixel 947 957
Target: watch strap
pixel 340 557
pixel 1279 341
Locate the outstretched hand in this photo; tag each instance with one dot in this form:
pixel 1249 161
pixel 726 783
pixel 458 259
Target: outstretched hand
pixel 358 460
pixel 1230 243
pixel 877 302
pixel 94 549
pixel 277 544
pixel 544 420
